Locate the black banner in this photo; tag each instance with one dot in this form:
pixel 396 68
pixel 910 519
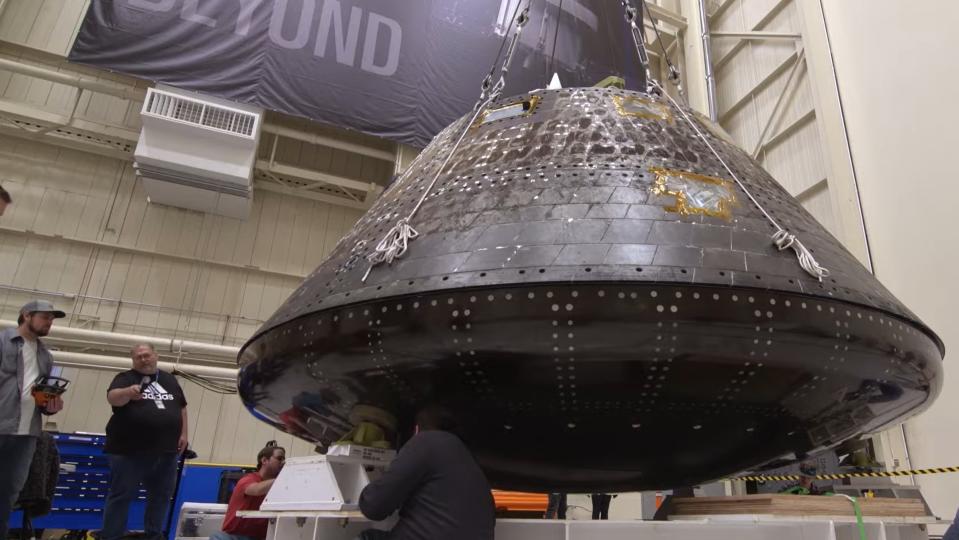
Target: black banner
pixel 400 69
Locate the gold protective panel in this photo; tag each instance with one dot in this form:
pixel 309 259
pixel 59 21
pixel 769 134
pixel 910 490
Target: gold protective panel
pixel 642 108
pixel 695 193
pixel 527 110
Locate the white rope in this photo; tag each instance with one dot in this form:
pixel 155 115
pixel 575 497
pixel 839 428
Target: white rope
pixel 393 245
pixel 782 238
pixel 397 239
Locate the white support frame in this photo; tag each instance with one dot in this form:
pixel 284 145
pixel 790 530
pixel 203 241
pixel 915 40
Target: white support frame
pixel 761 85
pixel 777 108
pixel 329 142
pixel 757 35
pixel 694 79
pixel 893 444
pixel 667 16
pixel 120 248
pixel 840 179
pixel 813 52
pixel 843 188
pixel 774 10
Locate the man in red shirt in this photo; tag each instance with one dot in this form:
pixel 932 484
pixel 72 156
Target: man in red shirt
pixel 249 494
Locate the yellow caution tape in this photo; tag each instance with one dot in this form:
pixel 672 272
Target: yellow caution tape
pixel 840 476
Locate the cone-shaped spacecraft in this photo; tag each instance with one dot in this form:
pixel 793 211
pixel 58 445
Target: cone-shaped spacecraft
pixel 594 292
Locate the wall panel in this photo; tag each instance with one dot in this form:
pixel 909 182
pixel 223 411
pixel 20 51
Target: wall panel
pixel 751 77
pixel 797 161
pixel 61 194
pixel 902 138
pixel 808 147
pixel 46 25
pixel 236 273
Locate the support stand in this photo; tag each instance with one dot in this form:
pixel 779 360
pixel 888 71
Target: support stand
pixel 332 482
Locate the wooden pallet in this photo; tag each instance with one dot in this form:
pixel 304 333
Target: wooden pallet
pixel 799 505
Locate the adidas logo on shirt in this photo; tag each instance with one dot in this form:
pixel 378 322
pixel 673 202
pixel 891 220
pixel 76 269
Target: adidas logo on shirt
pixel 157 394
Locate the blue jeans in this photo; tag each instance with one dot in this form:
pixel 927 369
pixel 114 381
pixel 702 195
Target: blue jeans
pixel 17 452
pixel 157 472
pixel 556 506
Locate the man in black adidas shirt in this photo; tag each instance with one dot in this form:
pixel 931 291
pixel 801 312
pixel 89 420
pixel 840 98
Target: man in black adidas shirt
pixel 145 435
pixel 440 491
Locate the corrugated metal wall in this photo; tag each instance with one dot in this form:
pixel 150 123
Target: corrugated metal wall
pixel 80 225
pixel 45 25
pixel 81 229
pixel 805 147
pixel 750 77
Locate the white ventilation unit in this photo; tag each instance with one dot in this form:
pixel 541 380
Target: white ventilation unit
pixel 197 152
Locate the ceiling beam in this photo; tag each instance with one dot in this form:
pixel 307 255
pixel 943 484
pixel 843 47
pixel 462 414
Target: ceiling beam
pixel 314 176
pixel 42 72
pixel 323 140
pixel 757 35
pixel 764 83
pixel 766 19
pixel 721 9
pixel 70 143
pixel 667 16
pixel 27 233
pixel 312 195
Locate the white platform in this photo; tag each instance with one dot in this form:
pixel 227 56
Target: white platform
pixel 346 525
pixel 315 497
pixel 329 482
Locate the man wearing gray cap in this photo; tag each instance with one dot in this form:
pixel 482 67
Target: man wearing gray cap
pixel 23 358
